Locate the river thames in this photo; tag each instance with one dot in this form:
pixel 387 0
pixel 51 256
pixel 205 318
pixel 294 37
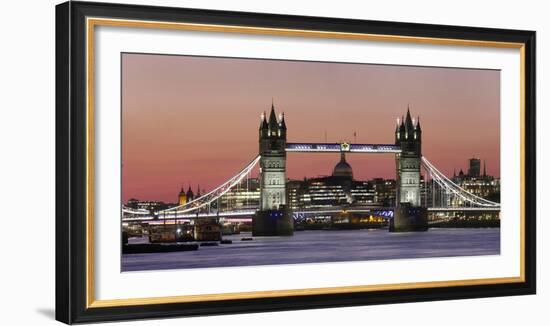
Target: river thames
pixel 323 246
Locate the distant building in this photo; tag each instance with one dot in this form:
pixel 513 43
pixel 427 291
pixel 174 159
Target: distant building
pixel 343 169
pixel 363 193
pixel 189 194
pixel 339 189
pixel 186 196
pixel 149 205
pixel 243 196
pixel 481 185
pixel 384 191
pixel 293 190
pixel 182 197
pixel 475 167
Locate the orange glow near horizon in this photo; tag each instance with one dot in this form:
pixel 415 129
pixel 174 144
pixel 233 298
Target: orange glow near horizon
pixel 194 120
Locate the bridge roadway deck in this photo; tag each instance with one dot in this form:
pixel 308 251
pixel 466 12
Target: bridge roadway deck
pixel 250 212
pixel 342 147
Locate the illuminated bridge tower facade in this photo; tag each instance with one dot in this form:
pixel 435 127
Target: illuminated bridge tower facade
pixel 273 217
pixel 409 214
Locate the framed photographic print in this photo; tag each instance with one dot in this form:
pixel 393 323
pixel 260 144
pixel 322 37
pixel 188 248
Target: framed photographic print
pixel 224 162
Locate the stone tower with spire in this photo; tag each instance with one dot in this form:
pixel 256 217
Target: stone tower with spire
pixel 408 136
pixel 182 197
pixel 409 215
pixel 189 194
pixel 273 217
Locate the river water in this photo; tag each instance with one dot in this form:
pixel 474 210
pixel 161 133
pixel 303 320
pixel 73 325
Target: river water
pixel 324 246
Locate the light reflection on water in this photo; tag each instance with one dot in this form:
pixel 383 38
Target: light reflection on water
pixel 325 246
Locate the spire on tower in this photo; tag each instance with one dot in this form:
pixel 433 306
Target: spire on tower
pixel 283 124
pixel 402 129
pixel 417 127
pixel 189 193
pixel 484 169
pixel 398 134
pixel 408 121
pixel 273 124
pixel 182 197
pixel 264 124
pixel 263 121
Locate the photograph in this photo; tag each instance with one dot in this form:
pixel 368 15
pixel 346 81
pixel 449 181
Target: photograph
pixel 240 161
pixel 235 161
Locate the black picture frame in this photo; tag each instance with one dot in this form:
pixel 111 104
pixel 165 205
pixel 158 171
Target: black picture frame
pixel 71 157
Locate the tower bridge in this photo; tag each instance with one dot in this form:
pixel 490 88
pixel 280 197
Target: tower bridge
pixel 273 216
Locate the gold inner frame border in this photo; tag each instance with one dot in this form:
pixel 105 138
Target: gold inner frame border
pixel 92 22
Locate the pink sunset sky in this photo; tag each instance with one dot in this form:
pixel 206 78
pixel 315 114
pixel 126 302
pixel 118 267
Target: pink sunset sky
pixel 194 120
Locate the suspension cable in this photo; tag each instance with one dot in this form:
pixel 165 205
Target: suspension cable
pixel 214 194
pixel 449 185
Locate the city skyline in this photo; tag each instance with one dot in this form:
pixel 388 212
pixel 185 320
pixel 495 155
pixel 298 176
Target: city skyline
pixel 176 132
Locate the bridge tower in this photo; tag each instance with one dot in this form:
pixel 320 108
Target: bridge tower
pixel 409 213
pixel 273 217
